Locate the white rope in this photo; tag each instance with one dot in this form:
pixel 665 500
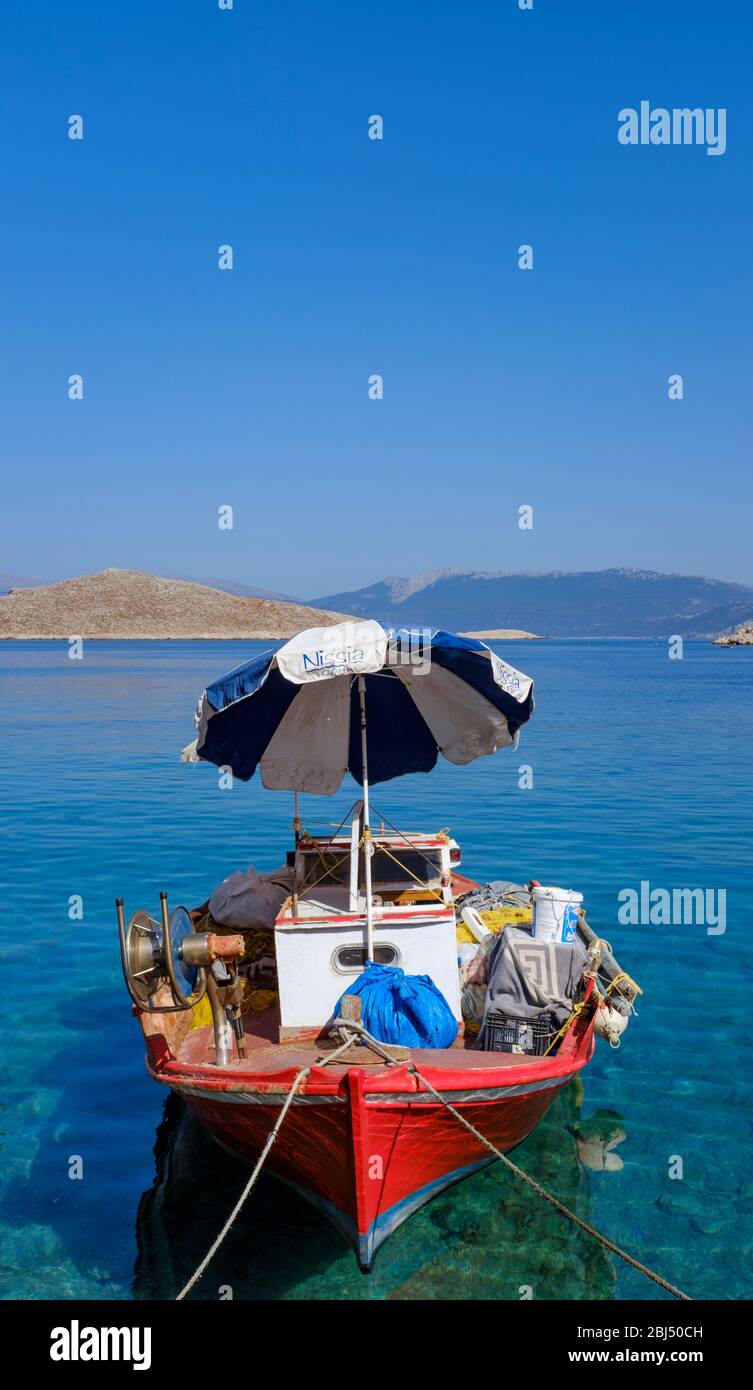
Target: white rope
pixel 554 1201
pixel 354 1030
pixel 247 1189
pixel 303 1073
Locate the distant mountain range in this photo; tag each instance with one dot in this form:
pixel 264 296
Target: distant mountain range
pixel 589 603
pixel 232 586
pixel 14 581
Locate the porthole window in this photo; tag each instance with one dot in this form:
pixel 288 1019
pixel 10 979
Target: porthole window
pixel 351 959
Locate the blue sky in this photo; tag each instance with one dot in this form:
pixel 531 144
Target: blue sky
pixel 352 257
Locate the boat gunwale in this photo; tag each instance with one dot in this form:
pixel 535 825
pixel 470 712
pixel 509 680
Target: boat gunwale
pixel 575 1052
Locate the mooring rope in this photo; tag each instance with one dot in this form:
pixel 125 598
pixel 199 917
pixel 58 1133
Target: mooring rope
pixel 273 1133
pixel 554 1201
pixel 351 1030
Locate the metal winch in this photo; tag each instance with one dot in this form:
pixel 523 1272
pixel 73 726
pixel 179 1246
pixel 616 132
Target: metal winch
pixel 191 964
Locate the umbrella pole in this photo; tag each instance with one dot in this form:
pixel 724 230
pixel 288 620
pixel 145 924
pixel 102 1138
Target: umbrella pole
pixel 297 832
pixel 368 848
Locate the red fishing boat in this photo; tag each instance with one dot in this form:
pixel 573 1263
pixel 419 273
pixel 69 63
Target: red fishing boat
pixel 367 1144
pixel 372 1128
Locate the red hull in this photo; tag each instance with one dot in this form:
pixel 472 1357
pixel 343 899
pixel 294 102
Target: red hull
pixel 367 1144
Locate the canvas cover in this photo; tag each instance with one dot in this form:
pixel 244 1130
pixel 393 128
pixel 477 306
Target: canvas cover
pixel 529 977
pixel 248 900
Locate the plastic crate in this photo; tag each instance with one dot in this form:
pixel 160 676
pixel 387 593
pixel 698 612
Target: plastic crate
pixel 530 1036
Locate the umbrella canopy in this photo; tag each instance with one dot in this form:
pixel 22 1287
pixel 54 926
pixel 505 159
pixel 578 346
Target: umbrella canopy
pixel 296 713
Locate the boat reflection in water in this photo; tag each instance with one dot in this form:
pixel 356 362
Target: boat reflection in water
pixel 488 1237
pixel 597 1138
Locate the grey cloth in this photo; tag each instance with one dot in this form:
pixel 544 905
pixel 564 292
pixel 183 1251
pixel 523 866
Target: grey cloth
pixel 247 900
pixel 529 977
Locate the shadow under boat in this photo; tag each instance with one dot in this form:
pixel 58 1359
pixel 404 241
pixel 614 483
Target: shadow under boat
pixel 488 1237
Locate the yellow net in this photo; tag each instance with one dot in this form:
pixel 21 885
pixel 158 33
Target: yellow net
pixel 495 918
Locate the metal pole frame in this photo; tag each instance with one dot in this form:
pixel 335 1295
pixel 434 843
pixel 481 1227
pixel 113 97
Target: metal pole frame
pixel 297 834
pixel 368 848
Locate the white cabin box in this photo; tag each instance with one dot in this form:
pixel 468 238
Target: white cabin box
pixel 320 933
pixel 315 960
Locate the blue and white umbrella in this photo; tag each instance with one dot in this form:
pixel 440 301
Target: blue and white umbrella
pixel 299 713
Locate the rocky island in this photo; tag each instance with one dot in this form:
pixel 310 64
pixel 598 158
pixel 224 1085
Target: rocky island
pixel 504 634
pixel 118 604
pixel 741 637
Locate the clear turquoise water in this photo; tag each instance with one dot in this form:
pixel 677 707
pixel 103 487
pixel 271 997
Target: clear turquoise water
pixel 642 770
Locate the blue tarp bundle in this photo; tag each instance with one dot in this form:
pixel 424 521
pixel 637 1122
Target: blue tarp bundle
pixel 404 1009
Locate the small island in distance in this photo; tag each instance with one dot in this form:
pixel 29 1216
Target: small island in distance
pixel 741 637
pixel 504 634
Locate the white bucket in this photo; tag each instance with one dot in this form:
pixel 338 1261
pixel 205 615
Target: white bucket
pixel 555 913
